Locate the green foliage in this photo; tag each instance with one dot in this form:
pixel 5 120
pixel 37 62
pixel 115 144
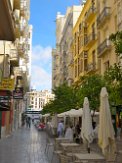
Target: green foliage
pixel 65 99
pixel 91 87
pixel 117 41
pixel 113 78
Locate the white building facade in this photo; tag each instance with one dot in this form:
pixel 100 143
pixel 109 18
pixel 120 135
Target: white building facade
pixel 38 99
pixel 61 55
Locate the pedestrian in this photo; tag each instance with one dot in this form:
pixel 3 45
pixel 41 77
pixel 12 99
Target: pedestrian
pixel 23 120
pixel 69 133
pixel 77 133
pixel 28 122
pixel 119 131
pixel 60 129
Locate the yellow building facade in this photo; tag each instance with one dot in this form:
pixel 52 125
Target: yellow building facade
pixel 106 25
pixel 85 42
pixel 93 52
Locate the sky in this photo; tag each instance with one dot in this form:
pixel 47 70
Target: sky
pixel 42 17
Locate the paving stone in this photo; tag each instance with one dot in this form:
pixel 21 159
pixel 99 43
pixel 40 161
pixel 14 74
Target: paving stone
pixel 24 146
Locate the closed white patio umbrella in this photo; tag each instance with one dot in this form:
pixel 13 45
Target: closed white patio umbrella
pixel 87 129
pixel 106 134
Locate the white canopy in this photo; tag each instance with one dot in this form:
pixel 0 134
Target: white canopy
pixel 106 134
pixel 87 129
pixel 74 113
pixel 46 115
pixel 71 113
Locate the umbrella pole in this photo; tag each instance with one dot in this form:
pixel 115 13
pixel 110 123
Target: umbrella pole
pixel 88 148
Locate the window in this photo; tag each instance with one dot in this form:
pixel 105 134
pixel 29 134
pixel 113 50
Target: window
pixel 106 65
pixel 85 64
pixel 75 68
pixel 93 56
pixel 80 27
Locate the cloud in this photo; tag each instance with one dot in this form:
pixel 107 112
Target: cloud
pixel 41 67
pixel 41 54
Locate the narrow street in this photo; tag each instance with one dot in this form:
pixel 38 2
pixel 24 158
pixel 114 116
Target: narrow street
pixel 23 146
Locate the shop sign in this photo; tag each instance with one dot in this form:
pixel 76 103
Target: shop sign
pixel 18 93
pixel 5 100
pixel 7 84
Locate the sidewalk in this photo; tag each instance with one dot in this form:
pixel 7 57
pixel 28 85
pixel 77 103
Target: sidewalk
pixel 24 146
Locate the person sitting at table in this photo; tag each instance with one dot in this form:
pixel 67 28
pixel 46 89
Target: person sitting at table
pixel 69 133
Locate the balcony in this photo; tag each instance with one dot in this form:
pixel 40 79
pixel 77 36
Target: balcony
pixel 21 50
pixel 83 27
pixel 103 16
pixel 14 58
pixel 71 62
pixel 103 47
pixel 7 29
pixel 18 71
pixel 16 15
pixel 90 40
pixel 24 7
pixel 17 4
pixel 91 67
pixel 17 30
pixel 24 31
pixel 90 14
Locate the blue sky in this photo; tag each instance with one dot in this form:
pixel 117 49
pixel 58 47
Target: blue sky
pixel 43 15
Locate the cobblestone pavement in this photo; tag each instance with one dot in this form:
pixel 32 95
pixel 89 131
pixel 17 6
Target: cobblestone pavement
pixel 24 146
pixel 28 146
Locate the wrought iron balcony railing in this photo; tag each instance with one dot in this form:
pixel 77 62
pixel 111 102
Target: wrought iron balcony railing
pixel 91 66
pixel 90 38
pixel 103 47
pixel 91 12
pixel 103 16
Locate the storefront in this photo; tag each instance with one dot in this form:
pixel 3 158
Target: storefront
pixel 0 122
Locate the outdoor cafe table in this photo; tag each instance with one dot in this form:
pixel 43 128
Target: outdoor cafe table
pixel 89 156
pixel 61 140
pixel 64 146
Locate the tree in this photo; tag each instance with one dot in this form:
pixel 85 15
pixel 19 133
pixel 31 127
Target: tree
pixel 113 79
pixel 117 41
pixel 65 99
pixel 91 87
pixel 114 74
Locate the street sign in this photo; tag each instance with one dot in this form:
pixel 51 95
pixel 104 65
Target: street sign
pixel 32 112
pixel 5 100
pixel 7 84
pixel 18 93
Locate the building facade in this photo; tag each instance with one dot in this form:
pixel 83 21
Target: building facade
pixel 60 20
pixel 62 53
pixel 106 25
pixel 36 100
pixel 14 54
pixel 85 47
pixel 85 42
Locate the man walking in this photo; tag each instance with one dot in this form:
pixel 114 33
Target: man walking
pixel 28 122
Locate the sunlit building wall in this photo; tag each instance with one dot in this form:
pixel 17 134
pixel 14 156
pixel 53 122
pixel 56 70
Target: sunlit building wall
pixel 64 26
pixel 14 17
pixel 36 100
pixel 106 25
pixel 60 20
pixel 84 44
